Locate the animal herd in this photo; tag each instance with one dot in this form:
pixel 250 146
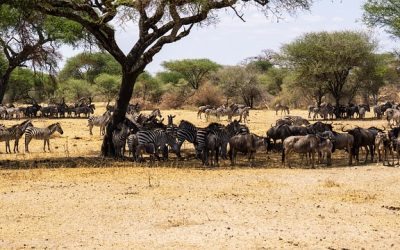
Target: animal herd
pixel 147 134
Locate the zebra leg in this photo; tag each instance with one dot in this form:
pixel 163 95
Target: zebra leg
pixel 8 147
pixel 44 145
pixel 16 142
pixel 27 141
pixel 48 144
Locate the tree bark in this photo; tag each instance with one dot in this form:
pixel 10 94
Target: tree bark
pixel 125 94
pixel 4 83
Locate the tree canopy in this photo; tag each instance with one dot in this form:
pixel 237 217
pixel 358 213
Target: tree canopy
pixel 192 70
pixel 383 13
pixel 328 57
pixel 159 22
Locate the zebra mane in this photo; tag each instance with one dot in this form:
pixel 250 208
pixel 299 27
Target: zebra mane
pixel 187 123
pixel 53 125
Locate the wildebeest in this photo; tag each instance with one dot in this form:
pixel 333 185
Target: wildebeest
pixel 211 148
pixel 305 144
pixel 341 141
pixel 245 143
pixel 297 120
pixel 384 146
pixel 280 132
pixel 363 138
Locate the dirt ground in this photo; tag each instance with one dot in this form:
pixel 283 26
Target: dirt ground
pixel 71 198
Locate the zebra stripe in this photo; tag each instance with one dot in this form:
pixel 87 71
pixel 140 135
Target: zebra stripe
pixel 186 132
pixel 7 135
pixel 41 134
pixel 119 139
pixel 99 121
pixel 159 139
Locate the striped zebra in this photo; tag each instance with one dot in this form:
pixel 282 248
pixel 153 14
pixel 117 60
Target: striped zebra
pixel 99 121
pixel 133 146
pixel 20 132
pixel 8 135
pixel 119 137
pixel 222 133
pixel 41 134
pixel 160 139
pixel 186 132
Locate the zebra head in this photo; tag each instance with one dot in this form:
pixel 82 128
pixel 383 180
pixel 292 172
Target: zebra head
pixel 58 128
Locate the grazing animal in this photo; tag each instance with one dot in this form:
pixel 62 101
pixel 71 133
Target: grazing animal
pixel 363 138
pixel 86 110
pixel 341 141
pixel 119 137
pixel 8 135
pixel 20 132
pixel 160 139
pixel 282 108
pixel 213 112
pixel 202 109
pixel 245 143
pixel 384 146
pixel 99 121
pixel 303 144
pixel 211 148
pixel 41 134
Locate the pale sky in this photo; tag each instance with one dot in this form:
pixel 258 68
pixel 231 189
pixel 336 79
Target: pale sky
pixel 231 40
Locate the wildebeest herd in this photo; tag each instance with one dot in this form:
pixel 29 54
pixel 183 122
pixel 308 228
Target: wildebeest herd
pixel 147 134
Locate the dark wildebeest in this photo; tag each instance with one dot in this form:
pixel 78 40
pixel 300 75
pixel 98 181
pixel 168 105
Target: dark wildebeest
pixel 305 144
pixel 341 141
pixel 384 146
pixel 245 143
pixel 363 138
pixel 279 133
pixel 211 148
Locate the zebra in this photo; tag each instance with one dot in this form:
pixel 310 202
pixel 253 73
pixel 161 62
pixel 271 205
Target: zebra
pixel 100 121
pixel 282 108
pixel 41 134
pixel 202 109
pixel 20 132
pixel 7 135
pixel 119 137
pixel 213 112
pixel 241 112
pixel 171 127
pixel 186 132
pixel 159 139
pixel 223 134
pixel 149 148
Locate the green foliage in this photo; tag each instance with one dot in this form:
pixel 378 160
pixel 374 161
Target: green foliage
pixel 324 60
pixel 108 85
pixel 21 82
pixel 3 64
pixel 87 66
pixel 273 79
pixel 194 71
pixel 74 89
pixel 148 88
pixel 169 77
pixel 384 13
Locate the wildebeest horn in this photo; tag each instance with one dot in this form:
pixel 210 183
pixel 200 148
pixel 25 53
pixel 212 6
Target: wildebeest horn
pixel 343 128
pixel 384 128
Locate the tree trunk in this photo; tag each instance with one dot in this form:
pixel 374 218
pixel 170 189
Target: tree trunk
pixel 4 82
pixel 125 94
pixel 337 107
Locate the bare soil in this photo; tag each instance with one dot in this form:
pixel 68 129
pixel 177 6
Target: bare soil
pixel 72 198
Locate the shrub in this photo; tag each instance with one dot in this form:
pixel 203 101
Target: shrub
pixel 207 94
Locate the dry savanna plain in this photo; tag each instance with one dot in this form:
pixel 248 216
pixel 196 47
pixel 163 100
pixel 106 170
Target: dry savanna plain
pixel 72 198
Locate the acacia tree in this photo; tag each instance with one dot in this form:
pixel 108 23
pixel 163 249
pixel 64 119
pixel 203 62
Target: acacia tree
pixel 328 58
pixel 159 22
pixel 194 71
pixel 29 36
pixel 383 13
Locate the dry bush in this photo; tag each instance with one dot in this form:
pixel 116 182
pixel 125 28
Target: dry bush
pixel 207 94
pixel 172 100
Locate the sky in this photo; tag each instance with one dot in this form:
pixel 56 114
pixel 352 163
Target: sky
pixel 231 40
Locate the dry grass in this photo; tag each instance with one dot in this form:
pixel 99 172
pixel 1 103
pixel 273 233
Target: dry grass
pixel 72 198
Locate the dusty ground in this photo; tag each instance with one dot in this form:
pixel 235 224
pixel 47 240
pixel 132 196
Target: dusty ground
pixel 59 200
